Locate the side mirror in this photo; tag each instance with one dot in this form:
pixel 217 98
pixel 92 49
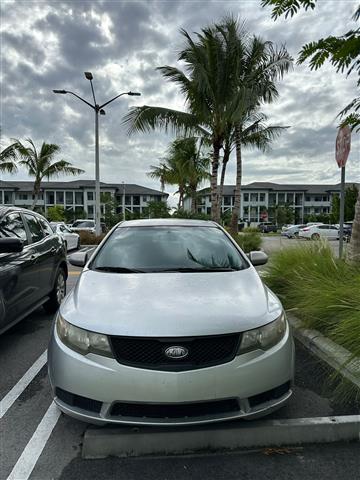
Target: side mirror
pixel 11 245
pixel 78 259
pixel 258 258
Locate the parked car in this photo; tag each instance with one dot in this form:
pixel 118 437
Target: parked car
pixel 83 225
pixel 293 231
pixel 285 227
pixel 179 330
pixel 71 239
pixel 315 232
pixel 33 268
pixel 86 225
pixel 267 227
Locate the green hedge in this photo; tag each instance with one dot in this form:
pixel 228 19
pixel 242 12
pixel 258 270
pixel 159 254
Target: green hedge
pixel 248 240
pixel 321 290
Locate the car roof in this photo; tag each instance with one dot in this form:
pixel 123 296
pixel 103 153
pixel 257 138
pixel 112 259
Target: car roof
pixel 6 209
pixel 172 222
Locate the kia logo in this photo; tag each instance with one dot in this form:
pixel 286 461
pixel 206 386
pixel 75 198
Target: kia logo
pixel 176 352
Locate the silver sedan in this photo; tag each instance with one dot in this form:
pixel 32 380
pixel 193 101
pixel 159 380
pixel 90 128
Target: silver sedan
pixel 170 324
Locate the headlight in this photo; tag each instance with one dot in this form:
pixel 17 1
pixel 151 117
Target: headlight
pixel 264 337
pixel 81 340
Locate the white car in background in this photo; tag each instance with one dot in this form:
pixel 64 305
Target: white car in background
pixel 292 231
pixel 71 239
pixel 315 232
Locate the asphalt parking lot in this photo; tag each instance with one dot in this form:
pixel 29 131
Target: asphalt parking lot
pixel 37 443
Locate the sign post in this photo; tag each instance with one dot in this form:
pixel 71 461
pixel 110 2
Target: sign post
pixel 343 142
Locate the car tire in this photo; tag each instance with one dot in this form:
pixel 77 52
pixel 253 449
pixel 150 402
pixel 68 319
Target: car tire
pixel 315 236
pixel 57 294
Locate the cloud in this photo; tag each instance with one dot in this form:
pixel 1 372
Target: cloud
pixel 122 43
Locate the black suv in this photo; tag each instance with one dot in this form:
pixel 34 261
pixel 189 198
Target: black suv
pixel 267 227
pixel 33 268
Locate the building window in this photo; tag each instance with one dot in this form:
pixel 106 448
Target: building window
pixel 325 198
pixel 262 197
pixel 298 199
pixel 227 201
pixel 79 198
pixel 144 198
pixel 59 197
pixel 90 210
pixel 90 196
pixel 290 198
pixel 69 198
pixel 136 200
pixel 246 197
pixel 281 198
pixel 127 199
pixel 246 211
pixel 272 198
pixel 253 197
pixel 50 198
pixel 208 211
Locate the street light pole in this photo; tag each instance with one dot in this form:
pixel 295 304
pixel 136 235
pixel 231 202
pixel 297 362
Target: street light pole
pixel 98 109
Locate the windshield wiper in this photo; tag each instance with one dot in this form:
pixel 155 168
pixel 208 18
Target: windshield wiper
pixel 189 269
pixel 118 270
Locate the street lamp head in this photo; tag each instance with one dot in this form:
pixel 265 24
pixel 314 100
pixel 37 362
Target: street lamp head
pixel 60 91
pixel 134 94
pixel 88 75
pixel 102 112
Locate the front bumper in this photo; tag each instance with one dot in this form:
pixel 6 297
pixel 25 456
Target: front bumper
pixel 90 388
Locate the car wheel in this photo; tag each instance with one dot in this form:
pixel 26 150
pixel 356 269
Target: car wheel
pixel 57 294
pixel 315 236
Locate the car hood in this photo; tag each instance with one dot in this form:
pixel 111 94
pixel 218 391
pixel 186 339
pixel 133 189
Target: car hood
pixel 170 304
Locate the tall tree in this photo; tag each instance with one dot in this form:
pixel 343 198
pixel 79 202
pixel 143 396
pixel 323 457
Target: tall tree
pixel 8 160
pixel 40 164
pixel 183 166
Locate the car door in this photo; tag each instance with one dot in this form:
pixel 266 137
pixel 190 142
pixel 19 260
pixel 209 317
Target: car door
pixel 17 290
pixel 43 245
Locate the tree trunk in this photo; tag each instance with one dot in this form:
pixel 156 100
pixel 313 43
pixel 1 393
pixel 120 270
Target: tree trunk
pixel 193 198
pixel 36 192
pixel 223 171
pixel 353 255
pixel 234 225
pixel 215 210
pixel 181 198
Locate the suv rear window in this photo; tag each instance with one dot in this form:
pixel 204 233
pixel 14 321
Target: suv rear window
pixel 36 231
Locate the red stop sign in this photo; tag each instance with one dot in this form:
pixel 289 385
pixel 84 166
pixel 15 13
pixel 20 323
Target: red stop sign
pixel 343 142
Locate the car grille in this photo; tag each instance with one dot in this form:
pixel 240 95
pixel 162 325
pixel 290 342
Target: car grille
pixel 78 401
pixel 149 353
pixel 181 410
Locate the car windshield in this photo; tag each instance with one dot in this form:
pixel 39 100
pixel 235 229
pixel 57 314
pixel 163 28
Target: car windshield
pixel 175 248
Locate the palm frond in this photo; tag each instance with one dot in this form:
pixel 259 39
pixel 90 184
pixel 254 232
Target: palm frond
pixel 146 119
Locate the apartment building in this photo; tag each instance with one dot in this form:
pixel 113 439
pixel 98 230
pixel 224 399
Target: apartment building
pixel 78 196
pixel 259 199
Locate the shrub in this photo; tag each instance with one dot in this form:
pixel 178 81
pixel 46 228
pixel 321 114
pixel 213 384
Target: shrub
pixel 87 238
pixel 321 290
pixel 248 240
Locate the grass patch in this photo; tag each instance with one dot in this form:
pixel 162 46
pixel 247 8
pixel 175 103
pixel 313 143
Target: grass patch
pixel 321 290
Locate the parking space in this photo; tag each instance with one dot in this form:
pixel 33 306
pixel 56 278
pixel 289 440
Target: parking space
pixel 38 443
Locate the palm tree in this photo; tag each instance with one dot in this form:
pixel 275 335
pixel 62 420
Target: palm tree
pixel 185 167
pixel 354 247
pixel 257 64
pixel 41 164
pixel 205 85
pixel 8 160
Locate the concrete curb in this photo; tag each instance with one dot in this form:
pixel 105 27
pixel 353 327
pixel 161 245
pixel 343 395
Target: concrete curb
pixel 132 442
pixel 330 352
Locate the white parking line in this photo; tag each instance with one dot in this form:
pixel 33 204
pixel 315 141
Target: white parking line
pixel 24 381
pixel 27 461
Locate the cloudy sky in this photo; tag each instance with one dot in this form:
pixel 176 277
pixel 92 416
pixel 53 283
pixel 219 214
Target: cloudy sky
pixel 47 45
